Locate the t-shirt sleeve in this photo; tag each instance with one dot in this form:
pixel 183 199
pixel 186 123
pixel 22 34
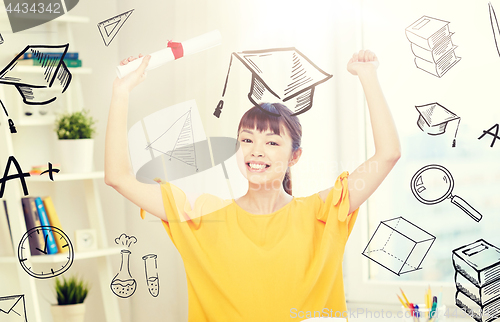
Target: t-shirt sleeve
pixel 182 218
pixel 335 210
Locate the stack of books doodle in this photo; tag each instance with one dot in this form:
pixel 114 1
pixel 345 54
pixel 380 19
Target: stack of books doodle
pixel 70 59
pixel 477 278
pixel 431 44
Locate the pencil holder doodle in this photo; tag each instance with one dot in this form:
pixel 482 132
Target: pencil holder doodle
pixel 424 314
pixel 399 245
pixel 152 274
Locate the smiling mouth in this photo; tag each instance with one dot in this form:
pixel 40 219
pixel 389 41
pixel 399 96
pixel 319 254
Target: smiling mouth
pixel 257 167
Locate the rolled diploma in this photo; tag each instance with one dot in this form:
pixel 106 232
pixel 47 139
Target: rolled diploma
pixel 160 57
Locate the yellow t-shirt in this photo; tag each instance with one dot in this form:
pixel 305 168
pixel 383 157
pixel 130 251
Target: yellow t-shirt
pixel 283 266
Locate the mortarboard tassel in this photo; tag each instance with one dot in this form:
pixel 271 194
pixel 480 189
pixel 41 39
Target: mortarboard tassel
pixel 220 105
pixel 454 144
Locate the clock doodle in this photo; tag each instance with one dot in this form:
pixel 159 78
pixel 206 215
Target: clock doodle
pixel 57 267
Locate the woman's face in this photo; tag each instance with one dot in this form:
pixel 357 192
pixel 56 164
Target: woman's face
pixel 264 157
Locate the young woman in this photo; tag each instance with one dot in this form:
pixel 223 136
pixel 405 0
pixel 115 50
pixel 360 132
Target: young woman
pixel 266 256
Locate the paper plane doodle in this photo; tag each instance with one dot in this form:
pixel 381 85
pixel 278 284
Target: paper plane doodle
pixel 280 75
pixel 51 74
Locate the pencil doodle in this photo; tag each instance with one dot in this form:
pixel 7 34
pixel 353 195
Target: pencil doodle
pixel 282 74
pixel 12 126
pixel 52 73
pixel 13 308
pixel 151 269
pixel 433 119
pixel 431 44
pixel 109 28
pixel 433 184
pixel 494 26
pixel 1 39
pixel 494 135
pixel 477 279
pixel 399 245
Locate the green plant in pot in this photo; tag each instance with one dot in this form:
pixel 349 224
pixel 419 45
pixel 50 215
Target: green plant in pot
pixel 76 144
pixel 70 294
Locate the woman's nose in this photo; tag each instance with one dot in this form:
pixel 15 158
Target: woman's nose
pixel 257 153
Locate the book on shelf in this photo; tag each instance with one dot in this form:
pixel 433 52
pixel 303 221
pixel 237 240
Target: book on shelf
pixel 50 242
pixel 70 55
pixel 6 247
pixel 32 220
pixel 54 220
pixel 427 32
pixel 70 63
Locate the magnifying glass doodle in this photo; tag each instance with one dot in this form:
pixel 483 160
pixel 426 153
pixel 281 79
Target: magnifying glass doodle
pixel 433 184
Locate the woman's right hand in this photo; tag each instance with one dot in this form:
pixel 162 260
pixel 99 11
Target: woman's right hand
pixel 133 79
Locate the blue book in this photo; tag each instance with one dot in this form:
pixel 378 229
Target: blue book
pixel 30 55
pixel 47 234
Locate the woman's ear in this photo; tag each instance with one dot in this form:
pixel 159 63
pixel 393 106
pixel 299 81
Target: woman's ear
pixel 295 157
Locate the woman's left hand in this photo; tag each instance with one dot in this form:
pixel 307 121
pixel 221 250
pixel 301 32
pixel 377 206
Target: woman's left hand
pixel 364 60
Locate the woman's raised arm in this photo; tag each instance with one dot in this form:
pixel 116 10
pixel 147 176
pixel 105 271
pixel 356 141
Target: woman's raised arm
pixel 117 168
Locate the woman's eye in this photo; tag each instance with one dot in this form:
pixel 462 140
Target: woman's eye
pixel 246 141
pixel 273 143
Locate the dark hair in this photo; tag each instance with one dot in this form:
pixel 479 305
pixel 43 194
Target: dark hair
pixel 264 117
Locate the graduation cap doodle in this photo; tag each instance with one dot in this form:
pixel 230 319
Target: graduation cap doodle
pixel 433 119
pixel 52 74
pixel 280 74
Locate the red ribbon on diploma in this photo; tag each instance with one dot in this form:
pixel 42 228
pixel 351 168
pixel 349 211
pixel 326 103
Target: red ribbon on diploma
pixel 177 49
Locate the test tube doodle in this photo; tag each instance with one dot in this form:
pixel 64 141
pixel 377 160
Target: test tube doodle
pixel 152 274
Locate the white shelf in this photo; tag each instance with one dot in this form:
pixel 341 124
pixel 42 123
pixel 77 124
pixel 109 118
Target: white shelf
pixel 62 257
pixel 36 120
pixel 70 18
pixel 66 176
pixel 36 70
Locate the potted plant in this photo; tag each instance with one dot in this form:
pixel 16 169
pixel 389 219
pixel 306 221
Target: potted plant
pixel 70 293
pixel 76 145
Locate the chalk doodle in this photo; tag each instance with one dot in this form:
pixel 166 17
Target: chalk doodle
pixel 282 74
pixel 49 171
pixel 13 308
pixel 19 175
pixel 494 26
pixel 399 245
pixel 494 135
pixel 151 269
pixel 54 268
pixel 51 74
pixel 433 184
pixel 433 119
pixel 109 28
pixel 12 127
pixel 123 284
pixel 431 44
pixel 477 279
